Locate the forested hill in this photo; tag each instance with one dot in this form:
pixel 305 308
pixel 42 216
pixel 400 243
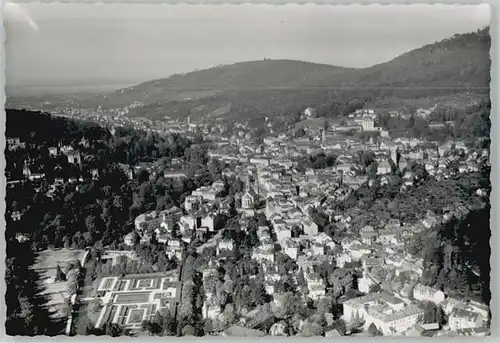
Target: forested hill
pixel 283 87
pixel 127 145
pixel 71 203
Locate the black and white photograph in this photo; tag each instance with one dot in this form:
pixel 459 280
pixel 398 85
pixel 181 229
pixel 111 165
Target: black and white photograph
pixel 251 170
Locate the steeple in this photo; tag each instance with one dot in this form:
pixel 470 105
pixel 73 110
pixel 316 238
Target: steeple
pixel 394 155
pixel 247 184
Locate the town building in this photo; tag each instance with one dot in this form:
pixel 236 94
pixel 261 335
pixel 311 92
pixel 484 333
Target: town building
pixel 426 293
pixel 388 313
pixel 460 318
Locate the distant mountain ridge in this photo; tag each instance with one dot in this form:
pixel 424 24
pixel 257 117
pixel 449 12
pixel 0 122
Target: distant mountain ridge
pixel 250 90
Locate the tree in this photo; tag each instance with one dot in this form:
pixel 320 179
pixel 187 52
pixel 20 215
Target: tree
pixel 439 315
pixel 429 312
pixel 229 315
pixel 373 331
pixel 59 274
pixel 374 288
pixel 208 326
pixel 288 305
pixel 155 328
pixel 340 326
pixel 95 305
pixel 168 322
pixel 342 280
pixel 258 293
pixel 300 133
pixel 188 330
pixel 311 329
pixel 114 330
pixel 72 286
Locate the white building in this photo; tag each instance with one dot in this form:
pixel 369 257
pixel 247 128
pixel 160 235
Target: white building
pixel 205 193
pixel 191 202
pixel 367 124
pixel 211 310
pixel 318 249
pixel 425 293
pixel 263 255
pixel 208 222
pixel 310 227
pixel 383 168
pixel 227 244
pixel 464 319
pixel 342 258
pixel 290 248
pixel 387 312
pixel 282 232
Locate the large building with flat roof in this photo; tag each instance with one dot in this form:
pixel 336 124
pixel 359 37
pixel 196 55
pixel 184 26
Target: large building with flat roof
pixel 133 298
pixel 388 313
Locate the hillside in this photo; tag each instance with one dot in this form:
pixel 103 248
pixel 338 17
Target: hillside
pixel 253 90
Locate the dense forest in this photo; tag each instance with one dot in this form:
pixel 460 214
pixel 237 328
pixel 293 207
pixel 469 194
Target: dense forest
pixel 465 124
pixel 457 256
pixel 26 313
pixel 80 213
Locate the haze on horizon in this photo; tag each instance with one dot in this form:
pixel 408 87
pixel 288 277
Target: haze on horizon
pixel 93 45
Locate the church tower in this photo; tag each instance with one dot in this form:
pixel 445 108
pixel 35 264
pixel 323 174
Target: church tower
pixel 394 156
pixel 247 184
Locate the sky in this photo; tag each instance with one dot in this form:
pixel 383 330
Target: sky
pixel 63 45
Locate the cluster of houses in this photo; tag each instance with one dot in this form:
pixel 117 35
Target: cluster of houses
pixel 175 226
pixel 287 197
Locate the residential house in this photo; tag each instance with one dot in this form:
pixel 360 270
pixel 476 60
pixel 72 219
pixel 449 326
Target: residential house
pixel 464 319
pixel 387 236
pixel 262 255
pixel 384 167
pixel 282 232
pixel 310 227
pixel 290 248
pixel 368 234
pixel 315 286
pixel 426 293
pixel 129 239
pixel 342 258
pixel 211 310
pixel 209 222
pixel 174 248
pixel 22 237
pixel 318 249
pixel 192 203
pixel 226 244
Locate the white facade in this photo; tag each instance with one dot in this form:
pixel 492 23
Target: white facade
pixel 464 319
pixel 225 245
pixel 425 293
pixel 191 202
pixel 310 227
pixel 206 193
pixel 208 222
pixel 263 255
pixel 388 313
pixel 291 249
pixel 282 233
pixel 211 311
